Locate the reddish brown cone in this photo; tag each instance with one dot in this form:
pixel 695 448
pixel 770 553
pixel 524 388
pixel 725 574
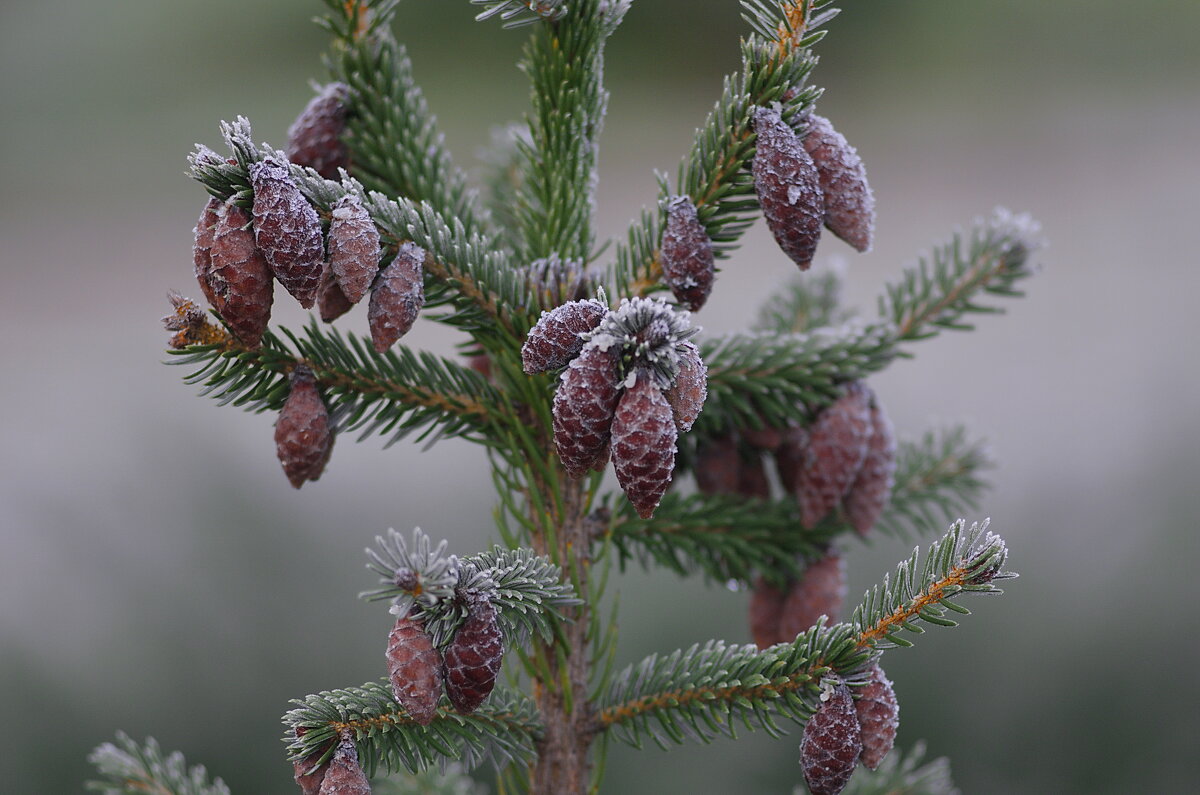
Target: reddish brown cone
pixel 643 444
pixel 473 657
pixel 353 247
pixel 849 202
pixel 331 301
pixel 871 490
pixel 306 776
pixel 315 137
pixel 303 439
pixel 687 394
pixel 766 609
pixel 788 188
pixel 397 297
pixel 415 669
pixel 789 458
pixel 752 478
pixel 837 445
pixel 831 744
pixel 202 248
pixel 238 278
pixel 554 340
pixel 878 716
pixel 584 406
pixel 718 466
pixel 686 254
pixel 764 438
pixel 345 776
pixel 820 592
pixel 287 230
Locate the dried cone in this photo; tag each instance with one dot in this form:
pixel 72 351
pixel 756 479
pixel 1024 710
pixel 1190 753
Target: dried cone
pixel 202 248
pixel 345 776
pixel 315 137
pixel 831 744
pixel 789 458
pixel 849 202
pixel 820 592
pixel 837 446
pixel 871 490
pixel 766 610
pixel 397 297
pixel 878 716
pixel 238 278
pixel 287 230
pixel 788 187
pixel 473 657
pixel 353 247
pixel 303 438
pixel 718 466
pixel 687 254
pixel 687 394
pixel 584 406
pixel 554 341
pixel 643 444
pixel 415 669
pixel 331 301
pixel 306 776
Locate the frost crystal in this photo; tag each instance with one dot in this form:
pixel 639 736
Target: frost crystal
pixel 649 333
pixel 414 573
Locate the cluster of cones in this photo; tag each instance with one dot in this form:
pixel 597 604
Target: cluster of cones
pixel 847 729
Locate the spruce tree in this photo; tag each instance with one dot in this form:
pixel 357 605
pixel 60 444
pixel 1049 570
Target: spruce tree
pixel 576 354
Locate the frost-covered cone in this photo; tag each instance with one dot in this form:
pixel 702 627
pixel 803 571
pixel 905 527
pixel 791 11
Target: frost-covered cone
pixel 555 340
pixel 687 394
pixel 687 254
pixel 643 444
pixel 849 202
pixel 871 490
pixel 718 466
pixel 819 592
pixel 837 445
pixel 831 744
pixel 287 230
pixel 766 609
pixel 415 669
pixel 397 297
pixel 303 438
pixel 788 188
pixel 353 247
pixel 238 277
pixel 878 716
pixel 473 657
pixel 306 776
pixel 315 137
pixel 789 458
pixel 202 247
pixel 584 405
pixel 345 775
pixel 331 301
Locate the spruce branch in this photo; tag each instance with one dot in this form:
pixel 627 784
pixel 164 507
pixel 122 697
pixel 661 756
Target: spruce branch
pixel 900 773
pixel 944 467
pixel 804 303
pixel 517 13
pixel 503 730
pixel 131 768
pixel 502 180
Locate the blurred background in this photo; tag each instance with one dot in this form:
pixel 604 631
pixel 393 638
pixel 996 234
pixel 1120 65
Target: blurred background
pixel 159 575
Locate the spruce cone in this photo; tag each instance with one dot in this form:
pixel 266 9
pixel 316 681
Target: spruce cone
pixel 415 668
pixel 687 255
pixel 238 279
pixel 473 657
pixel 287 230
pixel 331 301
pixel 315 137
pixel 687 394
pixel 307 777
pixel 752 478
pixel 643 444
pixel 766 610
pixel 345 776
pixel 718 467
pixel 554 341
pixel 584 406
pixel 820 592
pixel 837 445
pixel 555 281
pixel 764 438
pixel 353 247
pixel 878 716
pixel 202 248
pixel 849 202
pixel 831 744
pixel 872 489
pixel 789 458
pixel 397 297
pixel 303 438
pixel 788 187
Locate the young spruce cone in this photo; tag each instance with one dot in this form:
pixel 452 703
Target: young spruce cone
pixel 238 279
pixel 837 445
pixel 878 716
pixel 788 188
pixel 872 489
pixel 315 137
pixel 819 592
pixel 287 230
pixel 752 478
pixel 345 776
pixel 643 444
pixel 415 669
pixel 473 657
pixel 789 458
pixel 849 202
pixel 766 610
pixel 831 744
pixel 202 248
pixel 554 341
pixel 303 439
pixel 687 255
pixel 331 301
pixel 687 394
pixel 397 297
pixel 584 405
pixel 718 466
pixel 306 776
pixel 353 247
